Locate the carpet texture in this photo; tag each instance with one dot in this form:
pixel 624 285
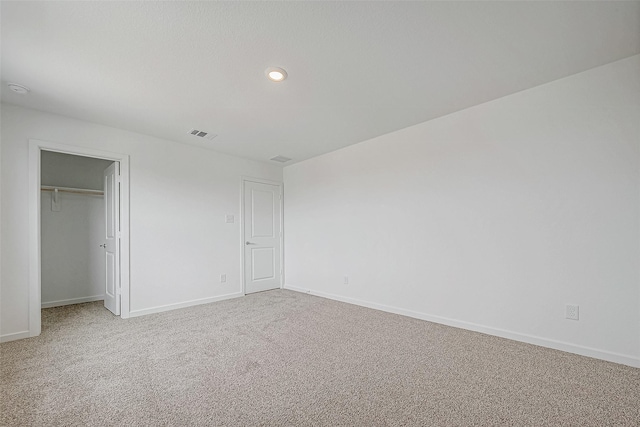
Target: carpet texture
pixel 282 358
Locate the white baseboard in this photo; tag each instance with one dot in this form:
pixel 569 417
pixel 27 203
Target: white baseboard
pixel 14 336
pixel 161 308
pixel 516 336
pixel 72 301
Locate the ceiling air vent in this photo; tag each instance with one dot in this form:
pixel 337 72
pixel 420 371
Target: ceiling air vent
pixel 202 134
pixel 281 159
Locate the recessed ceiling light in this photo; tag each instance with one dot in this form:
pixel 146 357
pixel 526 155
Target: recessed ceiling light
pixel 275 74
pixel 22 90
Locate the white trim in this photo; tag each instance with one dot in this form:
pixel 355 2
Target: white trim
pixel 168 307
pixel 516 336
pixel 282 269
pixel 35 147
pixel 14 336
pixel 260 180
pixel 34 239
pixel 62 302
pixel 280 184
pixel 242 281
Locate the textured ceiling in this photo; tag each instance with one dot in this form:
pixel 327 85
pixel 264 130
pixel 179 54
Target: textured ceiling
pixel 356 69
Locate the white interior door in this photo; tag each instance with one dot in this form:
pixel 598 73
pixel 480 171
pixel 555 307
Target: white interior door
pixel 262 235
pixel 111 243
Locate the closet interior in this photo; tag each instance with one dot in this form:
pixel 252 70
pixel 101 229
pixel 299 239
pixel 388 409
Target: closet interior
pixel 72 227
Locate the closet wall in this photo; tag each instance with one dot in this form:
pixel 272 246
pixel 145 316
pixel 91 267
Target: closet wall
pixel 72 260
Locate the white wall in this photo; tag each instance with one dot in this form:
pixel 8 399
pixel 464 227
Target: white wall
pixel 179 195
pixel 492 218
pixel 65 170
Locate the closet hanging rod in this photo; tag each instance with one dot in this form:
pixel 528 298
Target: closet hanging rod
pixel 72 190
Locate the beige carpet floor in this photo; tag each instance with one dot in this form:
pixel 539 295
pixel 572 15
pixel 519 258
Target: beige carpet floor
pixel 282 358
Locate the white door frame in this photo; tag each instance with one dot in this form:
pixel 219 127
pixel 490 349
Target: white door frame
pixel 35 298
pixel 242 238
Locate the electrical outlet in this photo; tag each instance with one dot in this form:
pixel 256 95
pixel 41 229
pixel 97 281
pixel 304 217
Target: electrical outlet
pixel 223 278
pixel 346 280
pixel 572 312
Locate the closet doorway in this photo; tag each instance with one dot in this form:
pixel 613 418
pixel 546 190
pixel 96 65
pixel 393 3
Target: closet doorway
pixel 76 219
pixel 79 222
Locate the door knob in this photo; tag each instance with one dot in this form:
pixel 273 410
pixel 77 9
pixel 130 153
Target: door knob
pixel 104 245
pixel 249 243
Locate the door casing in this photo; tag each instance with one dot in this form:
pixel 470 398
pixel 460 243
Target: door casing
pixel 242 233
pixel 35 148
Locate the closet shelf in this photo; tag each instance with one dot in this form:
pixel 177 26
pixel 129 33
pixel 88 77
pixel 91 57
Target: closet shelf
pixel 72 190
